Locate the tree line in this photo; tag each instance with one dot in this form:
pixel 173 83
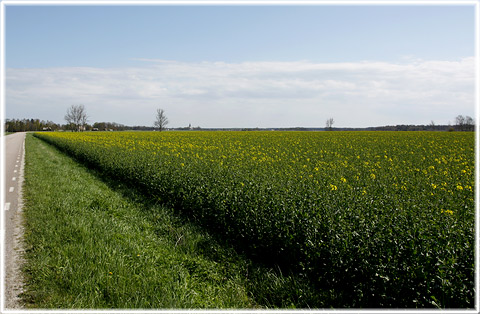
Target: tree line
pixel 77 118
pixel 464 123
pixel 24 125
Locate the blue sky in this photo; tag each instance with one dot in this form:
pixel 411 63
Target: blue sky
pixel 115 35
pixel 274 66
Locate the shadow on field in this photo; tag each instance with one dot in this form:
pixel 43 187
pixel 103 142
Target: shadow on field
pixel 267 285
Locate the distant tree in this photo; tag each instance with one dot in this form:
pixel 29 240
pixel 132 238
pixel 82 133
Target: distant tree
pixel 107 126
pixel 101 126
pixel 469 123
pixel 459 122
pixel 329 124
pixel 77 117
pixel 161 120
pixel 464 123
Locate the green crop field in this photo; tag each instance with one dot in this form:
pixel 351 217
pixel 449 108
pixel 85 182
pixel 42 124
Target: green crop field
pixel 369 219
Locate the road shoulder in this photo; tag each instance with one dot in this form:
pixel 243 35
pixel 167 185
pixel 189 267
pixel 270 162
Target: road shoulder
pixel 14 247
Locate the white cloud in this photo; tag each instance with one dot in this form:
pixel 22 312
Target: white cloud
pixel 249 94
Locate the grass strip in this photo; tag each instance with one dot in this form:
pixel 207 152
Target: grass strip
pixel 95 243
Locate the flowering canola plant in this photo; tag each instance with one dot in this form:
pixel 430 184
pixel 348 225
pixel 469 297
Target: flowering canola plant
pixel 379 218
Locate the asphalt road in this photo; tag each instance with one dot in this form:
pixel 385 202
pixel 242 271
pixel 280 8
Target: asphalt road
pixel 12 229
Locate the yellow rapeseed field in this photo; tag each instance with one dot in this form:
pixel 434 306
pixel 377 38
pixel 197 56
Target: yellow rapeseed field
pixel 387 218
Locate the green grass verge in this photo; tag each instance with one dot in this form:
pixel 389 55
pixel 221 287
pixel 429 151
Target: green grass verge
pixel 95 243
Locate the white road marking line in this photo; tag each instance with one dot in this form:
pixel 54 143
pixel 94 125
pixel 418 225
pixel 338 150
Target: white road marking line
pixel 15 171
pixel 11 189
pixel 14 179
pixel 7 206
pixel 18 161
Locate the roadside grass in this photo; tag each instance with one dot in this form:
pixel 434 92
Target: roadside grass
pixel 96 243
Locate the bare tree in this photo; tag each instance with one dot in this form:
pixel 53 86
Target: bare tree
pixel 161 120
pixel 469 123
pixel 464 123
pixel 77 116
pixel 329 124
pixel 460 122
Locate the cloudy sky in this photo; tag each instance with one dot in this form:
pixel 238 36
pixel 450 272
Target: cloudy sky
pixel 242 66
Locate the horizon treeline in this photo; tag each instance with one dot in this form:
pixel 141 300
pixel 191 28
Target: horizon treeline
pixel 25 125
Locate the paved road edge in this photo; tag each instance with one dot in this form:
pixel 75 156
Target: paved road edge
pixel 14 260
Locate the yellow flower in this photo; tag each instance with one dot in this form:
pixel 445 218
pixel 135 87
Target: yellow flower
pixel 333 187
pixel 372 175
pixel 459 187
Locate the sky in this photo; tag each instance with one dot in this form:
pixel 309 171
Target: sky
pixel 220 66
